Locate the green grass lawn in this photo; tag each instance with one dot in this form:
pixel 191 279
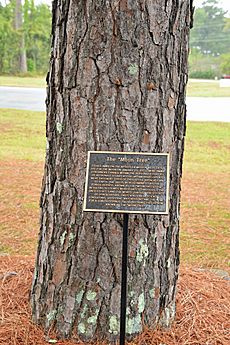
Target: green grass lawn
pixel 22 135
pixel 205 218
pixel 22 81
pixel 207 89
pixel 194 88
pixel 207 147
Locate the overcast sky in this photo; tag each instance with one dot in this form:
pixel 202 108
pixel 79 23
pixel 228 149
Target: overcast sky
pixel 222 3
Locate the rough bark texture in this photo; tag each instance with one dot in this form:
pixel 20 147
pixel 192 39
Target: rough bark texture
pixel 117 82
pixel 22 63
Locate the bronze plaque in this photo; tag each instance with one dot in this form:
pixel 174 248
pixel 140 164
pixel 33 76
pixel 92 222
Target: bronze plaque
pixel 127 182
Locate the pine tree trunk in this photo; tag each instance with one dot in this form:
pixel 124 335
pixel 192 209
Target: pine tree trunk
pixel 22 61
pixel 117 83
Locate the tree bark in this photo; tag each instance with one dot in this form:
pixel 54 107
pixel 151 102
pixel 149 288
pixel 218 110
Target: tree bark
pixel 117 82
pixel 22 61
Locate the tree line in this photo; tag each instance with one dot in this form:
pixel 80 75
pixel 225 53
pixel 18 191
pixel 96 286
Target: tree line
pixel 24 37
pixel 210 41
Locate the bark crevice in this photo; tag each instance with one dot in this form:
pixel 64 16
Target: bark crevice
pixel 117 78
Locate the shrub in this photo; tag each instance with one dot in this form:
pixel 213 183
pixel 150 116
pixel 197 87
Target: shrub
pixel 225 63
pixel 206 74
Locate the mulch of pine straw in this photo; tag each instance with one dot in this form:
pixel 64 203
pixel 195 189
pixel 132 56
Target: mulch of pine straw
pixel 203 309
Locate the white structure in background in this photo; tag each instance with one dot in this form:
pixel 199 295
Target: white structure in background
pixel 225 82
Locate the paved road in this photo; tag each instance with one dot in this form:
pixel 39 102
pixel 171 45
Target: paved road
pixel 199 108
pixel 22 98
pixel 208 109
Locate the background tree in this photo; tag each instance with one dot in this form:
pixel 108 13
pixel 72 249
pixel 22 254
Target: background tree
pixel 225 63
pixel 8 39
pixel 210 38
pixel 117 82
pixel 37 26
pixel 24 37
pixel 208 34
pixel 18 25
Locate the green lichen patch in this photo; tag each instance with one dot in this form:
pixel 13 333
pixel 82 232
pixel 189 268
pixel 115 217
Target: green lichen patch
pixel 52 315
pixel 141 303
pixel 59 127
pixel 60 310
pixel 79 296
pixel 71 238
pixel 93 319
pixel 152 293
pixel 81 328
pixel 142 251
pixel 168 315
pixel 131 295
pixel 114 325
pixel 62 238
pixel 84 311
pixel 133 68
pixel 134 325
pixel 91 295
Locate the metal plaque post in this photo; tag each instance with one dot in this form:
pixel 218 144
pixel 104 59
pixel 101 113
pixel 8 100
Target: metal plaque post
pixel 147 174
pixel 124 278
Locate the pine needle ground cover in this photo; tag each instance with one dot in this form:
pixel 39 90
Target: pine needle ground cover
pixel 203 304
pixel 203 307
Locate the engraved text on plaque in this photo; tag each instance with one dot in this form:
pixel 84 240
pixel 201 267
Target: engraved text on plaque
pixel 127 182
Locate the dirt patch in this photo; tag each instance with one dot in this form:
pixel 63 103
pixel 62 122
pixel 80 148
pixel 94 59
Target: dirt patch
pixel 19 205
pixel 205 220
pixel 214 145
pixel 203 309
pixel 6 127
pixel 218 146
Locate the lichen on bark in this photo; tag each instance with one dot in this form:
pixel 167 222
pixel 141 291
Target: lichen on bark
pixel 117 80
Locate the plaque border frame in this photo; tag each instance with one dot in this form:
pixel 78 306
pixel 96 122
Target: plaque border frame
pixel 126 211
